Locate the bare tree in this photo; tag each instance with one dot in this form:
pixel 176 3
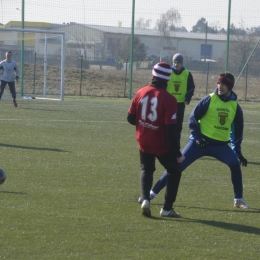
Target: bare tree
pixel 81 46
pixel 141 23
pixel 88 47
pixel 241 47
pixel 107 50
pixel 170 19
pixel 99 52
pixel 139 49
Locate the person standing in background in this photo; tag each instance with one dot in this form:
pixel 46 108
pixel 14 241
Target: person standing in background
pixel 181 86
pixel 10 72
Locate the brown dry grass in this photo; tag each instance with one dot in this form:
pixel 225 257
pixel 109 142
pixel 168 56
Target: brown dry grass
pixel 110 82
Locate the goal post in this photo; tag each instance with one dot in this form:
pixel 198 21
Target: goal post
pixel 44 60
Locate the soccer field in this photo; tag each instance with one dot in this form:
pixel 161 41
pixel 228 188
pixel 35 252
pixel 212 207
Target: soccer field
pixel 73 182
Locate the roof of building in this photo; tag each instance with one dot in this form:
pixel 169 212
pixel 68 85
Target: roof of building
pixel 154 32
pixel 16 24
pixel 122 30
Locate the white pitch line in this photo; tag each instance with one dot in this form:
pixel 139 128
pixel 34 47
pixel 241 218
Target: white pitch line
pixel 60 120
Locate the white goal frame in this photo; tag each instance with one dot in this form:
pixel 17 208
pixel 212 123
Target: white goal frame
pixel 62 33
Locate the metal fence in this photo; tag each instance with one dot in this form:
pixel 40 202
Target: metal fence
pixel 103 37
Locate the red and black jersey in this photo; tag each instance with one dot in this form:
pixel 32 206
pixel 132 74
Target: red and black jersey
pixel 154 108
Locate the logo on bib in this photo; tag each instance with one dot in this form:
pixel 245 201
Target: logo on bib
pixel 222 117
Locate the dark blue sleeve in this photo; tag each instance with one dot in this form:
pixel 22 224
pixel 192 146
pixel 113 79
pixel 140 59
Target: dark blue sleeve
pixel 236 134
pixel 190 88
pixel 198 112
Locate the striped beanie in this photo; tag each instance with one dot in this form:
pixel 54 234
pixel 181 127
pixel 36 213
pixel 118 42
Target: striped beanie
pixel 162 70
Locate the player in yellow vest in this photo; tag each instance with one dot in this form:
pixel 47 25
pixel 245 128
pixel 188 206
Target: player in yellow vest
pixel 216 121
pixel 181 86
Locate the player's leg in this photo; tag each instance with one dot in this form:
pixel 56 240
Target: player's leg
pixel 172 184
pixel 146 179
pixel 2 87
pixel 180 116
pixel 191 153
pixel 13 92
pixel 225 154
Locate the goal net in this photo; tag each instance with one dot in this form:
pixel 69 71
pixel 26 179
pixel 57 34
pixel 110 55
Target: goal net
pixel 40 56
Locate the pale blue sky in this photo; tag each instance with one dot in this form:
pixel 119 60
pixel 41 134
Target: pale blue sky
pixel 110 12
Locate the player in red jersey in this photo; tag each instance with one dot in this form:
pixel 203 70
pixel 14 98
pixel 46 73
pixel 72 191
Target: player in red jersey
pixel 153 112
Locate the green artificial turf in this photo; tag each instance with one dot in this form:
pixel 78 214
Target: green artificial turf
pixel 73 183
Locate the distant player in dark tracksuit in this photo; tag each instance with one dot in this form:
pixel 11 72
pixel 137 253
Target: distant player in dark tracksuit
pixel 10 72
pixel 216 121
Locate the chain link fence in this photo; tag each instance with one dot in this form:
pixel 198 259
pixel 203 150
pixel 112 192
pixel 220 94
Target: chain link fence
pixel 99 36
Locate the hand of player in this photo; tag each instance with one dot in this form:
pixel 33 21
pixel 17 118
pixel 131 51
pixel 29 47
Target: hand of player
pixel 181 159
pixel 243 161
pixel 16 78
pixel 201 142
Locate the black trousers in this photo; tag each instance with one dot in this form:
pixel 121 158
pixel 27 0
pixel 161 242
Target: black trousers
pixel 169 162
pixel 180 116
pixel 11 87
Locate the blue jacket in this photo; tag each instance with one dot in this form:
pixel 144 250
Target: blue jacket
pixel 236 134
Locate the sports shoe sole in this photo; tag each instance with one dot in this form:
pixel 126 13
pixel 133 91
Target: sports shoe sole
pixel 146 211
pixel 241 206
pixel 171 214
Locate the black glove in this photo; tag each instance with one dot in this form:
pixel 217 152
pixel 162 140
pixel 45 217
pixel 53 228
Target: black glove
pixel 201 142
pixel 243 161
pixel 17 78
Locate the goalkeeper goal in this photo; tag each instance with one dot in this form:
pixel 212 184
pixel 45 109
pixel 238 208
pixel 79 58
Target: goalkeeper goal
pixel 40 56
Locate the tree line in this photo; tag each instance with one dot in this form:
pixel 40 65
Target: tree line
pixel 171 19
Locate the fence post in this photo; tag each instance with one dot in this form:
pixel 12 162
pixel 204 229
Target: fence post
pixel 81 64
pixel 125 75
pixel 34 76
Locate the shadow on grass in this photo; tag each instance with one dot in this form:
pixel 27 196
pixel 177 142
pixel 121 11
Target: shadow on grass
pixel 153 217
pixel 34 148
pixel 13 192
pixel 235 210
pixel 251 210
pixel 219 224
pixel 225 225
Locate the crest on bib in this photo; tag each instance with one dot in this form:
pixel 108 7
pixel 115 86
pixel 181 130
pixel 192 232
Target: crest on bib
pixel 222 117
pixel 177 86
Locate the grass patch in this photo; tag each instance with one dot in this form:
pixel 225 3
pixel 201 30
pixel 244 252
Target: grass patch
pixel 73 182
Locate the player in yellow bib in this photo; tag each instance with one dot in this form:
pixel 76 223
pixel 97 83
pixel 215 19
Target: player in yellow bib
pixel 181 86
pixel 216 121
